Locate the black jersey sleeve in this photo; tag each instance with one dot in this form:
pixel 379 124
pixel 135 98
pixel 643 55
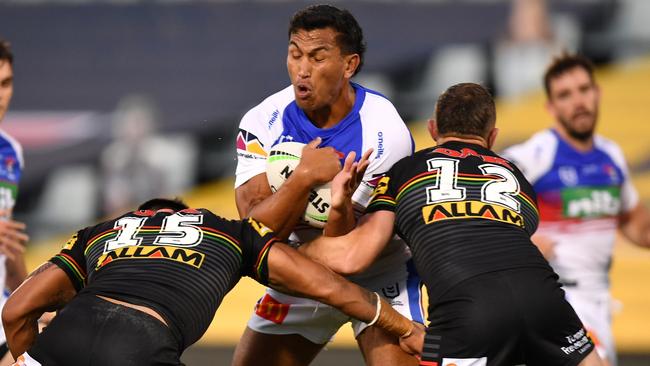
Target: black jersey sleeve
pixel 72 261
pixel 384 195
pixel 256 241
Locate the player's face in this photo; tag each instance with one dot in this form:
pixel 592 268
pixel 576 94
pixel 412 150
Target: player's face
pixel 317 69
pixel 573 101
pixel 6 86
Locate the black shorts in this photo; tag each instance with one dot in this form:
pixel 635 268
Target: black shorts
pixel 505 318
pixel 93 331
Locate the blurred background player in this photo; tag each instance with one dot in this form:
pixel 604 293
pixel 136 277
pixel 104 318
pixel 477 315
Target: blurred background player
pixel 122 287
pixel 584 193
pixel 12 236
pixel 468 215
pixel 325 51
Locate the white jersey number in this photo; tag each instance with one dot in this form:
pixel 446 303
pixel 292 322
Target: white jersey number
pixel 176 230
pixel 498 191
pixel 445 188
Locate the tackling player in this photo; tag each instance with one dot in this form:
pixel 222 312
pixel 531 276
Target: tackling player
pixel 325 51
pixel 585 194
pixel 12 235
pixel 139 289
pixel 467 216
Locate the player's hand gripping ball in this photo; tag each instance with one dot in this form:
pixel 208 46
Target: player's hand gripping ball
pixel 283 159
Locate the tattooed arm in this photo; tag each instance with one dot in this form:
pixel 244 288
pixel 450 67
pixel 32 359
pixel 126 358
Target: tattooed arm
pixel 48 288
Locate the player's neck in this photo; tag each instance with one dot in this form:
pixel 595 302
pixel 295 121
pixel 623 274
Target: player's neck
pixel 470 140
pixel 577 144
pixel 331 115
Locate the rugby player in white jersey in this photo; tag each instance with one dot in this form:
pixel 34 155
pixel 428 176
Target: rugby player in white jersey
pixel 584 194
pixel 12 235
pixel 325 51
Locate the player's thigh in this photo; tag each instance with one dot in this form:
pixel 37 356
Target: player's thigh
pixel 594 310
pixel 281 314
pixel 554 335
pixel 255 348
pixel 474 323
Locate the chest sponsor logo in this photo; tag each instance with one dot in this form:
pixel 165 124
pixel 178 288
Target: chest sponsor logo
pixel 176 254
pixel 7 198
pixel 470 210
pixel 591 202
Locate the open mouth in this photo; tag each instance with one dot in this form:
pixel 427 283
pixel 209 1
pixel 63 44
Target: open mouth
pixel 302 91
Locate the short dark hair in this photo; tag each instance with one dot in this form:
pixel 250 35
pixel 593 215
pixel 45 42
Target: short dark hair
pixel 563 63
pixel 465 109
pixel 5 52
pixel 175 204
pixel 350 34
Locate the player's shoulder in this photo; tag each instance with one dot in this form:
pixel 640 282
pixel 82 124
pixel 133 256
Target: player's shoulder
pixel 535 156
pixel 377 103
pixel 380 118
pixel 8 141
pixel 541 142
pixel 606 144
pixel 611 148
pixel 271 107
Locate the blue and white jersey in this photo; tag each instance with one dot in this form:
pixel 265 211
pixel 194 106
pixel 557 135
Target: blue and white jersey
pixel 580 197
pixel 372 123
pixel 11 166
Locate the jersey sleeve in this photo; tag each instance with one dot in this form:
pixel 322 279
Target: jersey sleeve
pixel 256 241
pixel 72 261
pixel 384 195
pixel 391 143
pixel 253 143
pixel 629 194
pixel 534 157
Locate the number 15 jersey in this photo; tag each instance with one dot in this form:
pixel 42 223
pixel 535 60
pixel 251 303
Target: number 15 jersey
pixel 463 211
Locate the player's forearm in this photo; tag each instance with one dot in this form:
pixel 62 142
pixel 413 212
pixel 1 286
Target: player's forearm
pixel 282 210
pixel 340 221
pixel 370 308
pixel 337 253
pixel 21 333
pixel 16 273
pixel 635 226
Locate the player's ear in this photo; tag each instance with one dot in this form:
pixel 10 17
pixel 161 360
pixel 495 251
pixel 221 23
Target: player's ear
pixel 492 137
pixel 351 64
pixel 432 126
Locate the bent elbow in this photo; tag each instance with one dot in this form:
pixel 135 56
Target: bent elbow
pixel 11 314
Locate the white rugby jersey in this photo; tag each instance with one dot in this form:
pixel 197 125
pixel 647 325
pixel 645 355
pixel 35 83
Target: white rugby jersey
pixel 580 197
pixel 372 123
pixel 11 166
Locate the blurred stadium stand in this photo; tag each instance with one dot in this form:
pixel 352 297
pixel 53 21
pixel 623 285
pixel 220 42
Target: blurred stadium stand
pixel 204 63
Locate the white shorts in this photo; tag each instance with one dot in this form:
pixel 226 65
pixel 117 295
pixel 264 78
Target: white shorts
pixel 26 360
pixel 277 313
pixel 594 310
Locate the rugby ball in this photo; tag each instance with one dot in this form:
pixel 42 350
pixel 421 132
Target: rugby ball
pixel 281 162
